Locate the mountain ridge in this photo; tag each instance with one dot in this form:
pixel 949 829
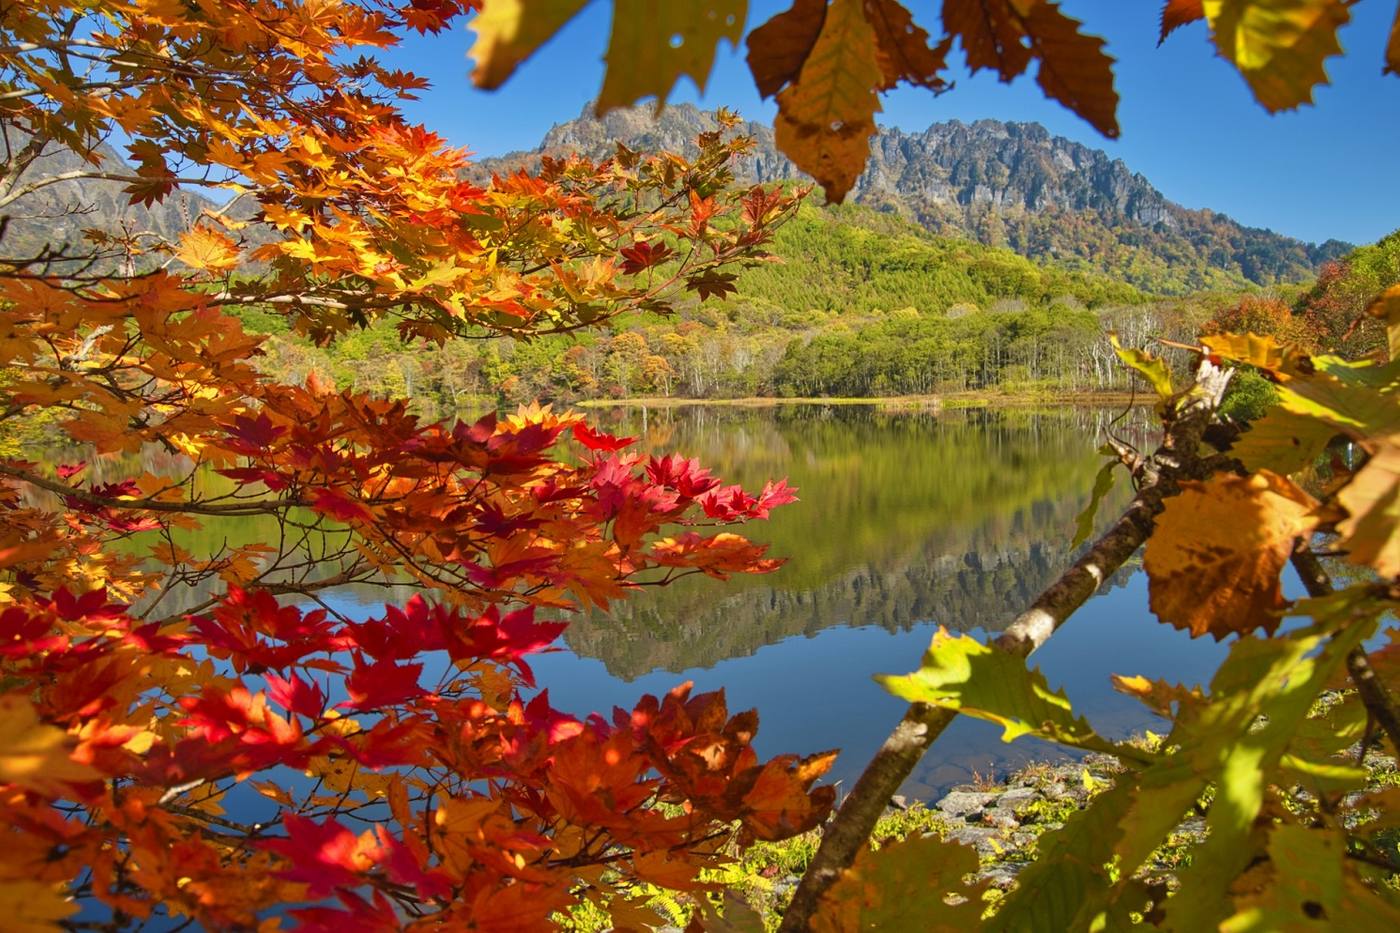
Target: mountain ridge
pixel 1003 184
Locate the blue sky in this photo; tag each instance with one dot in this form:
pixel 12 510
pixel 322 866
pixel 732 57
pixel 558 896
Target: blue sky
pixel 1189 123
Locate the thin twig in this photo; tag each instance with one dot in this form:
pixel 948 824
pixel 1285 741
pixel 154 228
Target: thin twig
pixel 1376 698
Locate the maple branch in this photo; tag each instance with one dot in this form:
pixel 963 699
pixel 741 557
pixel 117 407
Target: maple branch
pixel 1159 478
pixel 1380 706
pixel 146 505
pixel 15 194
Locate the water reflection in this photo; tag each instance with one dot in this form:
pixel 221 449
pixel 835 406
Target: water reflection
pixel 959 518
pixel 907 521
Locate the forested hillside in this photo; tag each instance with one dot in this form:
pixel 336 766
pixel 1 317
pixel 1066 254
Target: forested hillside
pixel 857 302
pixel 900 294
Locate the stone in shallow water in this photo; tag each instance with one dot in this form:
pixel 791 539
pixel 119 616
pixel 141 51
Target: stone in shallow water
pixel 984 840
pixel 1017 797
pixel 962 803
pixel 1001 876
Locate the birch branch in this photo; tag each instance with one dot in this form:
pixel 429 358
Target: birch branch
pixel 1177 458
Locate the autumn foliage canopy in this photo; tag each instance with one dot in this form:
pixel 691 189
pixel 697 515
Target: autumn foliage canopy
pixel 154 679
pixel 409 770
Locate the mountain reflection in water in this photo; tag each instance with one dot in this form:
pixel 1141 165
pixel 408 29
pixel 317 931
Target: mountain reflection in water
pixel 907 521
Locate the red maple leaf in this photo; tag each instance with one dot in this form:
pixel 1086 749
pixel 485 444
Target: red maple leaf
pixel 381 684
pixel 506 639
pixel 643 255
pixel 683 474
pixel 338 505
pixel 598 440
pixel 323 857
pixel 296 695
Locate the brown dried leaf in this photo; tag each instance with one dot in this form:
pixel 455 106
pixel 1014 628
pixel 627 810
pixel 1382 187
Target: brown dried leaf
pixel 778 48
pixel 991 35
pixel 1392 48
pixel 903 48
pixel 1214 560
pixel 1005 35
pixel 1178 13
pixel 825 119
pixel 1074 69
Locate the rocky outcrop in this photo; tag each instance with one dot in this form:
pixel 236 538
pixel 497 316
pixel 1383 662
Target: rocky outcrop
pixel 1012 184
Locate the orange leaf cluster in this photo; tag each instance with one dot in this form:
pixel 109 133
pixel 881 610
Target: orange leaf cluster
pixel 1214 561
pixel 164 692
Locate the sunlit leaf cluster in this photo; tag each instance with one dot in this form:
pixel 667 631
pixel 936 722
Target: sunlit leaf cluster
pixel 193 729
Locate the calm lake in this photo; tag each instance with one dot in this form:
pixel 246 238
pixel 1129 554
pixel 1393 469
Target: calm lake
pixel 907 521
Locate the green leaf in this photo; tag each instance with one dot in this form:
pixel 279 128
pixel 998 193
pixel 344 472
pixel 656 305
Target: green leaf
pixel 1069 886
pixel 1084 524
pixel 1322 776
pixel 1310 886
pixel 1277 679
pixel 1152 368
pixel 961 673
pixel 1283 442
pixel 1341 397
pixel 1220 741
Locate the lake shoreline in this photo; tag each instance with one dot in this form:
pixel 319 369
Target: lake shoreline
pixel 949 400
pixel 1002 821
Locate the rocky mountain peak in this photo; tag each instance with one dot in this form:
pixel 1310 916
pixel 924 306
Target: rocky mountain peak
pixel 1011 184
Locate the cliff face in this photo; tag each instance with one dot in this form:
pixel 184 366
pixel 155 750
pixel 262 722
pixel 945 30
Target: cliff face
pixel 1005 184
pixel 56 215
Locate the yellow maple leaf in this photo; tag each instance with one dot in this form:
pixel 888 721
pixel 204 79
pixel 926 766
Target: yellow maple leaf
pixel 509 31
pixel 34 754
pixel 654 44
pixel 1278 45
pixel 33 907
pixel 208 250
